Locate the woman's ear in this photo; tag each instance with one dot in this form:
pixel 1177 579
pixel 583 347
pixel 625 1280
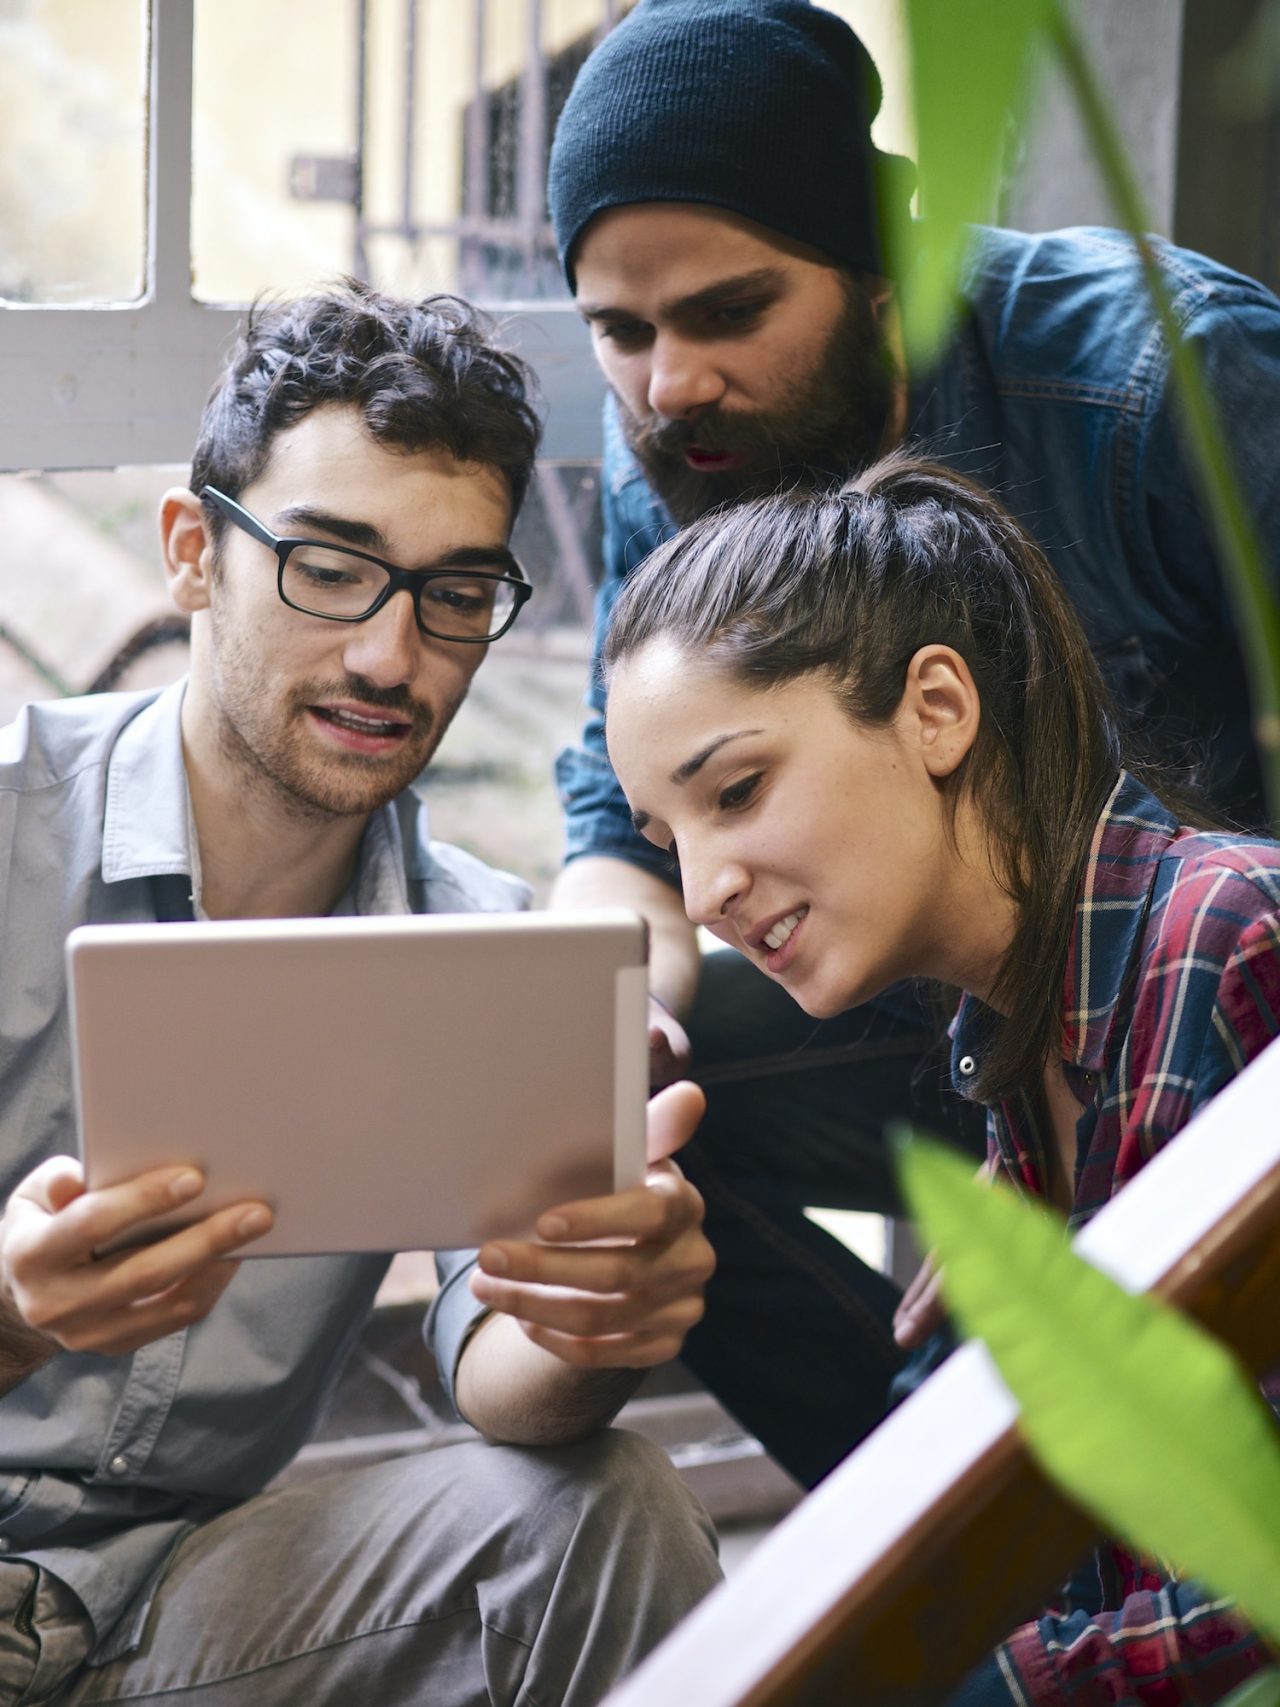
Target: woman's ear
pixel 186 548
pixel 941 707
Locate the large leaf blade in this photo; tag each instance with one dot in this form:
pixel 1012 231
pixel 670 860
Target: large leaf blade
pixel 1262 1690
pixel 1136 1413
pixel 971 65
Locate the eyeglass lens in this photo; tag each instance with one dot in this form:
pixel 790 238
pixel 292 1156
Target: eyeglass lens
pixel 326 581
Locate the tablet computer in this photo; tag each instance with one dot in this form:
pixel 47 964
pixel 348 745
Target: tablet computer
pixel 391 1083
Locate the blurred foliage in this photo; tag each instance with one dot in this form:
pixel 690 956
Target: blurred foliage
pixel 1139 1415
pixel 974 66
pixel 1262 1690
pixel 972 70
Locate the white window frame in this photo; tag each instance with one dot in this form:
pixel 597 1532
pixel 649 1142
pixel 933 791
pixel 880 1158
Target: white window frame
pixel 117 384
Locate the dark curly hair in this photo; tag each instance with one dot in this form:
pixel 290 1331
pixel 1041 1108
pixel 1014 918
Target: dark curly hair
pixel 423 375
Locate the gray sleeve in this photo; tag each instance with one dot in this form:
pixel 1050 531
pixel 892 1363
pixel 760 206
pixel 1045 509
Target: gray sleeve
pixel 453 1315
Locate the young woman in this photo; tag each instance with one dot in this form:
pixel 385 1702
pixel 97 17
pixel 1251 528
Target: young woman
pixel 868 727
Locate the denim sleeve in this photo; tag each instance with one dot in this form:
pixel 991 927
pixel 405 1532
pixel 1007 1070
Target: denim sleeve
pixel 597 818
pixel 1237 337
pixel 1236 334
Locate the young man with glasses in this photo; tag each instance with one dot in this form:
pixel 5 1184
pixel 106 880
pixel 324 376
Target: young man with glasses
pixel 343 554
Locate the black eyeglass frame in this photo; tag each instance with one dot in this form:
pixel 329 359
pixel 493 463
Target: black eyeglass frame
pixel 411 581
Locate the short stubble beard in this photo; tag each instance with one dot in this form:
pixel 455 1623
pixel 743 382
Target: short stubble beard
pixel 837 422
pixel 266 743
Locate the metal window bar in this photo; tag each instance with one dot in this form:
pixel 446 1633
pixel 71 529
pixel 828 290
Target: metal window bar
pixel 125 383
pixel 504 254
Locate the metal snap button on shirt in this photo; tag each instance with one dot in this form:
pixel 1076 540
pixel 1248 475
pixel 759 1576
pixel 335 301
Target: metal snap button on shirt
pixel 118 1465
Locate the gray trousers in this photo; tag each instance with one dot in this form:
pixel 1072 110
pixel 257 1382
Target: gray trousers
pixel 463 1577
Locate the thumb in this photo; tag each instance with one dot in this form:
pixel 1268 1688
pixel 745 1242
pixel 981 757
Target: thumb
pixel 673 1116
pixel 55 1183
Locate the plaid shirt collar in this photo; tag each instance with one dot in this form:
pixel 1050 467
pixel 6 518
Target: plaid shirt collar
pixel 1133 833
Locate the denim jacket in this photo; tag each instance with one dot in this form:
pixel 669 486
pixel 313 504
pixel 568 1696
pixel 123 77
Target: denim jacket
pixel 1055 393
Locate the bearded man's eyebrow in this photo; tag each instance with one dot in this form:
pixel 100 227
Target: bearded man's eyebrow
pixel 714 295
pixel 730 290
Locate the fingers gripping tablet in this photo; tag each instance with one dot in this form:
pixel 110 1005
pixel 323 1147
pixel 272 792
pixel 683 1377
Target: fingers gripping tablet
pixel 383 1083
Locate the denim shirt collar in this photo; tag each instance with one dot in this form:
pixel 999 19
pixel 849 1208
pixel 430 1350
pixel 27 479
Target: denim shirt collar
pixel 144 832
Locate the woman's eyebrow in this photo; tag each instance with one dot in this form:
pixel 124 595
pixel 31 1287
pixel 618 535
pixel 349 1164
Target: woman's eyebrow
pixel 691 766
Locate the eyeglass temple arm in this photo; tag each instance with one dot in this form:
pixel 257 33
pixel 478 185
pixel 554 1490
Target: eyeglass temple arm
pixel 241 517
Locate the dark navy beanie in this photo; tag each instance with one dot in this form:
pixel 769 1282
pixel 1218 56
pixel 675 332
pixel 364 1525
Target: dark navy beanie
pixel 763 107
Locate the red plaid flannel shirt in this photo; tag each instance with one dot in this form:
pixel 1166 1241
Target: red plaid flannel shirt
pixel 1172 986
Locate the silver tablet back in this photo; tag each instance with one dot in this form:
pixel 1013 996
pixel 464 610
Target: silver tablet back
pixel 386 1083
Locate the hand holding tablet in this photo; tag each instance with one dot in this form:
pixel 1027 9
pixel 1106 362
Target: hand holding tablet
pixel 382 1083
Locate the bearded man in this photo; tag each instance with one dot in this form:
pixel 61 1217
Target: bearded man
pixel 717 201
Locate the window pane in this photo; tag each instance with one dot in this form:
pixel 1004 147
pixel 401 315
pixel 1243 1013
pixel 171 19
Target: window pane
pixel 272 82
pixel 72 141
pixel 404 140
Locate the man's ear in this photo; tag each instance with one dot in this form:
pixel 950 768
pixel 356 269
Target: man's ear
pixel 186 548
pixel 942 709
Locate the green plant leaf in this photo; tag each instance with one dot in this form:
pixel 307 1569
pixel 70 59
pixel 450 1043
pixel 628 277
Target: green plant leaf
pixel 1262 1690
pixel 971 62
pixel 1227 507
pixel 1137 1413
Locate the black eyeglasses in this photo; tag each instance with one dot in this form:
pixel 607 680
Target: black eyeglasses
pixel 471 605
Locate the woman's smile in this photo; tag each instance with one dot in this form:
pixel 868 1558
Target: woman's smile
pixel 778 805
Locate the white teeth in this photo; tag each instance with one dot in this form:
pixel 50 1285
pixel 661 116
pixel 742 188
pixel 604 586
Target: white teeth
pixel 780 933
pixel 353 720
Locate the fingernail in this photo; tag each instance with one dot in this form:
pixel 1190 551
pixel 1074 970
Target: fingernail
pixel 552 1227
pixel 186 1185
pixel 493 1260
pixel 252 1223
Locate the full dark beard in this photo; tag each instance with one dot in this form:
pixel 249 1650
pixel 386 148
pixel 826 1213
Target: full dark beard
pixel 835 425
